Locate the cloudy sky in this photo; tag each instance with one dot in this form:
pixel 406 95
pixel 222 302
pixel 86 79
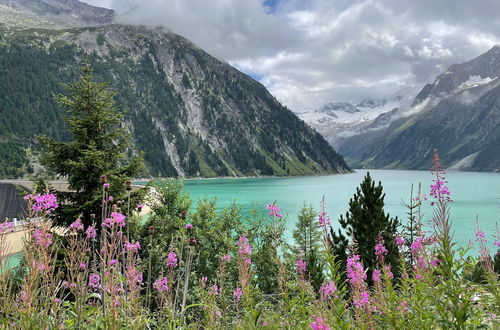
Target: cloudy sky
pixel 309 52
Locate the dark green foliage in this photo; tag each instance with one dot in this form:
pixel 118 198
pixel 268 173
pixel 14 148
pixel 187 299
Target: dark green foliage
pixel 13 160
pixel 245 130
pixel 315 269
pixel 363 223
pixel 308 245
pixel 97 148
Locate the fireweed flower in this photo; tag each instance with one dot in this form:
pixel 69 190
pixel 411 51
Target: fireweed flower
pixel 6 226
pixel 214 290
pixel 112 262
pixel 41 238
pixel 140 207
pixel 43 203
pixel 400 241
pixel 134 276
pixel 76 226
pixel 161 284
pixel 376 275
pixel 105 185
pixel 380 251
pixel 132 247
pixel 417 245
pixel 363 300
pixel 226 258
pixel 327 290
pixel 301 267
pixel 115 219
pixel 480 237
pixel 237 294
pixel 91 232
pixel 172 260
pixel 355 272
pixel 274 210
pixel 319 324
pixel 94 281
pixel 83 266
pixel 244 246
pixel 323 220
pixel 189 226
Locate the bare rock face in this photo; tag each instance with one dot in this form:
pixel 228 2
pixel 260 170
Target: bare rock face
pixel 65 12
pixel 188 112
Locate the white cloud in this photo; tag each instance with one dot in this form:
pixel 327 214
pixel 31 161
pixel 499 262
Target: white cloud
pixel 317 51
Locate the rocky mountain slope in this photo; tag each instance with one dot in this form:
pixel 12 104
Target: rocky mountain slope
pixel 189 113
pixel 458 114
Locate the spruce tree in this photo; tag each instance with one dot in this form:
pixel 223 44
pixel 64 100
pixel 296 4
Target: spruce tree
pixel 308 245
pixel 362 224
pixel 97 149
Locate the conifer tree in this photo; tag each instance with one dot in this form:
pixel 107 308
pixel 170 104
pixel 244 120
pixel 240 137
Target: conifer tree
pixel 308 245
pixel 362 224
pixel 97 149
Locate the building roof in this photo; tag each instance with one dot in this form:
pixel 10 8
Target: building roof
pixel 12 205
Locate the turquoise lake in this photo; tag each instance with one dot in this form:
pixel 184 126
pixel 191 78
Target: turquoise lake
pixel 474 195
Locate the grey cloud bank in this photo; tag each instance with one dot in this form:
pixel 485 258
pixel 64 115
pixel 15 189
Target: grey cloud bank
pixel 308 53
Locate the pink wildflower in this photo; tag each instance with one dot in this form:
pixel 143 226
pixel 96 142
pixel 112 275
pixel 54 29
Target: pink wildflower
pixel 403 306
pixel 324 220
pixel 115 219
pixel 112 262
pixel 94 281
pixel 355 272
pixel 274 210
pixel 140 207
pixel 172 260
pixel 434 262
pixel 237 294
pixel 376 275
pixel 42 239
pixel 105 185
pixel 480 237
pixel 380 250
pixel 218 314
pixel 83 266
pixel 44 203
pixel 189 226
pixel 417 244
pixel 497 243
pixel 244 246
pixel 76 226
pixel 132 247
pixel 91 232
pixel 214 290
pixel 319 324
pixel 388 272
pixel 301 266
pixel 327 290
pixel 6 226
pixel 364 299
pixel 161 284
pixel 400 241
pixel 226 258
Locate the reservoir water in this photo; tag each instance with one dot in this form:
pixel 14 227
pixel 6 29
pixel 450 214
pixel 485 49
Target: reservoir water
pixel 474 195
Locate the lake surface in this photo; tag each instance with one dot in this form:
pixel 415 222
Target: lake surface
pixel 474 194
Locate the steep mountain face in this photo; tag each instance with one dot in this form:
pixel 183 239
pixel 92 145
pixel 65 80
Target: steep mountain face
pixel 64 12
pixel 458 114
pixel 189 113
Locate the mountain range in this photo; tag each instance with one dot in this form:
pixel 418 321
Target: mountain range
pixel 458 115
pixel 188 112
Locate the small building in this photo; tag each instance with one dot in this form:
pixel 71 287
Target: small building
pixel 12 204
